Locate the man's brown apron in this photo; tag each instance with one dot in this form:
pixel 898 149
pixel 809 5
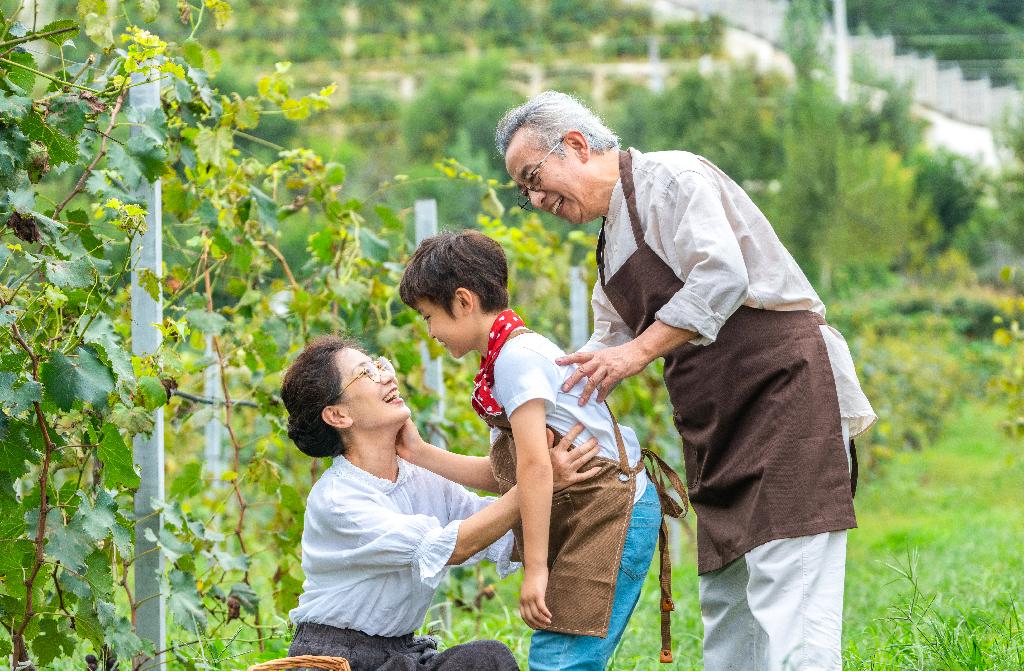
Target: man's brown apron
pixel 757 410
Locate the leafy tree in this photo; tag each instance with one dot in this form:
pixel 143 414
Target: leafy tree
pixel 472 100
pixel 801 35
pixel 730 118
pixel 843 200
pixel 885 118
pixel 952 185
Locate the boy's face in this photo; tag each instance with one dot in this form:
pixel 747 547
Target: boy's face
pixel 454 331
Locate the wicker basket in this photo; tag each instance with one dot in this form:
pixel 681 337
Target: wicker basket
pixel 304 662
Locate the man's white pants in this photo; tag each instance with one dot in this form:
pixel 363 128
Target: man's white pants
pixel 779 607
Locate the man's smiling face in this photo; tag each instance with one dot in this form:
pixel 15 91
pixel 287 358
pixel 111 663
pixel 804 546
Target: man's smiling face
pixel 557 185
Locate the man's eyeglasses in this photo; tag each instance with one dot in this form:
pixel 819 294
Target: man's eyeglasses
pixel 532 181
pixel 375 369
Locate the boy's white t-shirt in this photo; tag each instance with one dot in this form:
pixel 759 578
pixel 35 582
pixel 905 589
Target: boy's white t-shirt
pixel 526 370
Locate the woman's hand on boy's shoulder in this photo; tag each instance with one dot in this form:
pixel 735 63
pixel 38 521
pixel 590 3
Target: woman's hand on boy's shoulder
pixel 567 460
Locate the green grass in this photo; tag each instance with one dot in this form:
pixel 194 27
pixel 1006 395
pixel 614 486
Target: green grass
pixel 935 573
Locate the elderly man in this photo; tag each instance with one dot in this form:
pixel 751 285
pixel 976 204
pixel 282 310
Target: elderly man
pixel 764 392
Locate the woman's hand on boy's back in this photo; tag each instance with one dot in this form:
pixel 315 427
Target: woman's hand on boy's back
pixel 532 607
pixel 567 459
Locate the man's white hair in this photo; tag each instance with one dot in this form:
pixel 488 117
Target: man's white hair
pixel 548 116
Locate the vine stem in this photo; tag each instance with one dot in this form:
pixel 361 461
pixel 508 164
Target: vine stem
pixel 284 264
pixel 10 44
pixel 80 184
pixel 53 79
pixel 20 651
pixel 235 445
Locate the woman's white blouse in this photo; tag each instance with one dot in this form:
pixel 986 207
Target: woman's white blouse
pixel 374 551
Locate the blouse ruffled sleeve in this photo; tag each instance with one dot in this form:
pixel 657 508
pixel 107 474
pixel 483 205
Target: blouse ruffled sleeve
pixel 385 540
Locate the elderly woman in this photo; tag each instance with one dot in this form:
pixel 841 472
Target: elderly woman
pixel 380 532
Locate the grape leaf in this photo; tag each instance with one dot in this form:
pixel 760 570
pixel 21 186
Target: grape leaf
pixel 67 115
pixel 184 602
pixel 16 396
pixel 60 38
pixel 66 543
pixel 152 391
pixel 83 378
pixel 211 323
pixel 149 153
pixel 20 77
pixel 118 468
pixel 14 106
pixel 61 148
pixel 54 639
pixel 75 273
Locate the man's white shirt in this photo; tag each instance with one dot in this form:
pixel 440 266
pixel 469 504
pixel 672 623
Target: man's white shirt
pixel 715 239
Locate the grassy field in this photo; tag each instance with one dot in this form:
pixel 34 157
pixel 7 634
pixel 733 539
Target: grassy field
pixel 935 576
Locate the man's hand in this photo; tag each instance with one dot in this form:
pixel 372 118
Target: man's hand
pixel 567 460
pixel 607 367
pixel 408 442
pixel 604 369
pixel 532 608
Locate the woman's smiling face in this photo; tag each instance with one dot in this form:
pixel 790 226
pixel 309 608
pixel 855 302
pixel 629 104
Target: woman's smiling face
pixel 371 396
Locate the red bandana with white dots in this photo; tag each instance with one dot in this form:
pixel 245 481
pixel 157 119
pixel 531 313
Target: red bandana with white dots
pixel 483 401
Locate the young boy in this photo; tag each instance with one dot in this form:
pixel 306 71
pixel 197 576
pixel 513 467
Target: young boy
pixel 587 550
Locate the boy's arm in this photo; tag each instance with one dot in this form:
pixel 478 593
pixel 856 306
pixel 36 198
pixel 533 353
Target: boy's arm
pixel 534 478
pixel 469 471
pixel 476 473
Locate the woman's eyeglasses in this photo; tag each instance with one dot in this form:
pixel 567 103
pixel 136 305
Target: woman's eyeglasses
pixel 375 369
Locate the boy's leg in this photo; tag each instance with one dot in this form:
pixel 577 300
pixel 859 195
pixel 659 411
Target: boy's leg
pixel 637 553
pixel 795 593
pixel 549 650
pixel 733 638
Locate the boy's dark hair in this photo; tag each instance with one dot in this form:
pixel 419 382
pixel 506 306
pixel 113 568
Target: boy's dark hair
pixel 444 262
pixel 310 385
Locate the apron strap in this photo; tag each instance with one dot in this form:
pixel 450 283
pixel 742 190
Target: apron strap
pixel 623 458
pixel 629 193
pixel 667 605
pixel 658 473
pixel 854 470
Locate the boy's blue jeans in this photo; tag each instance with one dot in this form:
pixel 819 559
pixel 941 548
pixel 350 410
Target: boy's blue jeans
pixel 550 651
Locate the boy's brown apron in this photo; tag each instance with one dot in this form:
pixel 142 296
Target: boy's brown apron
pixel 757 410
pixel 588 526
pixel 588 529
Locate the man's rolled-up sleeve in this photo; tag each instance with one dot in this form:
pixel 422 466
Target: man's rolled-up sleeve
pixel 701 247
